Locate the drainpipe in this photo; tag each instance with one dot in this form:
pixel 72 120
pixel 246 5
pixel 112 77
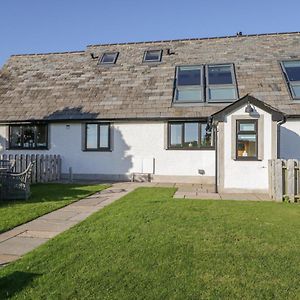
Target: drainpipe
pixel 278 135
pixel 215 126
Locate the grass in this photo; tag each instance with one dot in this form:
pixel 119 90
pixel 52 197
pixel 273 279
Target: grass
pixel 150 246
pixel 45 198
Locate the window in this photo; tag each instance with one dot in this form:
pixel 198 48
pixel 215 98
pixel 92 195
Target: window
pixel 292 74
pixel 246 139
pixel 109 58
pixel 97 137
pixel 189 135
pixel 188 84
pixel 152 55
pixel 219 81
pixel 28 136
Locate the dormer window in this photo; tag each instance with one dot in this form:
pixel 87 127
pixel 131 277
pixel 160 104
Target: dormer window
pixel 152 56
pixel 291 70
pixel 209 83
pixel 109 58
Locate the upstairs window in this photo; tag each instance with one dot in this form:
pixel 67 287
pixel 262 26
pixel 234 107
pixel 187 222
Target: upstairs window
pixel 152 56
pixel 28 136
pixel 97 137
pixel 189 135
pixel 109 58
pixel 220 83
pixel 188 84
pixel 210 83
pixel 292 74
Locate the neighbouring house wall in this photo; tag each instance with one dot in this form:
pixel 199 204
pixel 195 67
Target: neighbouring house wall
pixel 136 147
pixel 247 175
pixel 290 139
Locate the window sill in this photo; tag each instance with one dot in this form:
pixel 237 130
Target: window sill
pixel 247 159
pixel 191 149
pixel 97 150
pixel 28 149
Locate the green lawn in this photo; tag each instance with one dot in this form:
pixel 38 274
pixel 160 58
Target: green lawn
pixel 44 198
pixel 150 246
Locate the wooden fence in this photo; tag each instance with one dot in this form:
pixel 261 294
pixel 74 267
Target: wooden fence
pixel 284 180
pixel 47 168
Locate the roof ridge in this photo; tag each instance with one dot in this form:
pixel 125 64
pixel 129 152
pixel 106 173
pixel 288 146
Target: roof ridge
pixel 196 39
pixel 49 53
pixel 159 41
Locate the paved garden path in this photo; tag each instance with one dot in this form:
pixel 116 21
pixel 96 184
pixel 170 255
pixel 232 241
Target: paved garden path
pixel 24 238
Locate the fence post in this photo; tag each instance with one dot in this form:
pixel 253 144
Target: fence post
pixel 291 180
pixel 33 160
pixel 270 178
pixel 278 195
pixel 58 167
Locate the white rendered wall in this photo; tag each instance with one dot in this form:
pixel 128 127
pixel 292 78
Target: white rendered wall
pixel 290 139
pixel 247 175
pixel 134 146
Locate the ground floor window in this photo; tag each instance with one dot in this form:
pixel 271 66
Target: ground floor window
pixel 97 137
pixel 28 136
pixel 189 135
pixel 246 139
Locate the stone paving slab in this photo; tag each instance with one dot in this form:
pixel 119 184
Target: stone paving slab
pixel 59 215
pixel 205 196
pixel 39 234
pixel 192 191
pixel 6 258
pixel 20 245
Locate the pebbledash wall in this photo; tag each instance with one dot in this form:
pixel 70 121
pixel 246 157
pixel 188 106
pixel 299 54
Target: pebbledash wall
pixel 136 148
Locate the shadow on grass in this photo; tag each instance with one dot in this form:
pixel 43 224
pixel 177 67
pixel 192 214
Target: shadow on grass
pixel 14 283
pixel 52 193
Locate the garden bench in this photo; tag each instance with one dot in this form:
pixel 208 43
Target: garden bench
pixel 15 186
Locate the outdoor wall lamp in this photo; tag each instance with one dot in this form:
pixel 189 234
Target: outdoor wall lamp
pixel 249 109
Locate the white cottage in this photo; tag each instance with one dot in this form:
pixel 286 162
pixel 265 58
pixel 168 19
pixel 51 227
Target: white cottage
pixel 211 110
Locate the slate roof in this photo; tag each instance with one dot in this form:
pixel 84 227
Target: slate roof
pixel 71 85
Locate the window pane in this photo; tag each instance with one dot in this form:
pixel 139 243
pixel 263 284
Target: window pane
pixel 104 136
pixel 189 95
pixel 219 74
pixel 189 76
pixel 247 127
pixel 28 137
pixel 108 58
pixel 15 136
pixel 191 135
pixel 292 69
pixel 91 136
pixel 206 137
pixel 246 145
pixel 296 90
pixel 176 135
pixel 152 55
pixel 41 135
pixel 222 93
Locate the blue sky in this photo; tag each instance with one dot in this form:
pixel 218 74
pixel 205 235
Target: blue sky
pixel 35 26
